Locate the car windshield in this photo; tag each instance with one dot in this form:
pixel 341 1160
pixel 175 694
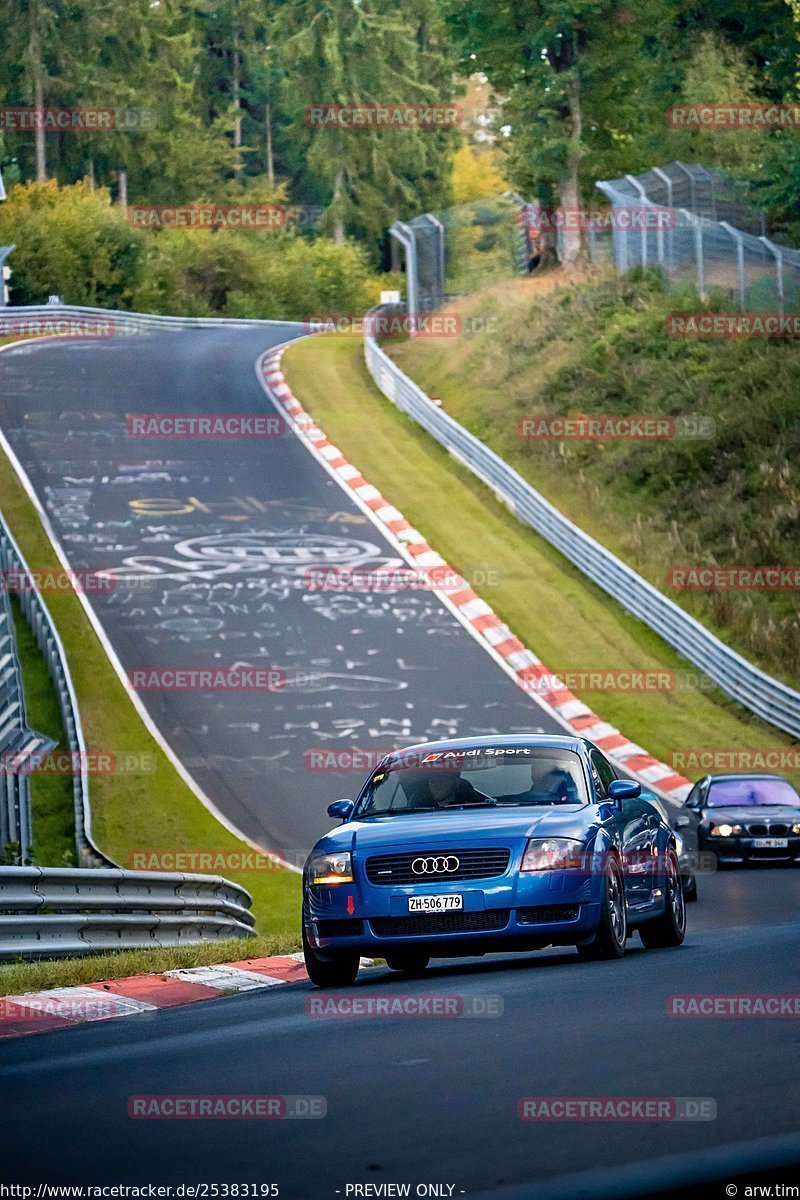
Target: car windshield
pixel 749 793
pixel 508 777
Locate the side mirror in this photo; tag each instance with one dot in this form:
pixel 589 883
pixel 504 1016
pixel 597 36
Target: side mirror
pixel 624 789
pixel 341 809
pixel 681 822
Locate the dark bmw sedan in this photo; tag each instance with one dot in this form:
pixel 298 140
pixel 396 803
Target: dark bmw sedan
pixel 488 844
pixel 743 818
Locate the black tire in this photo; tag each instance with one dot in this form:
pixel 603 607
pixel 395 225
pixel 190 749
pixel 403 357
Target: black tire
pixel 670 928
pixel 690 890
pixel 612 932
pixel 325 972
pixel 409 964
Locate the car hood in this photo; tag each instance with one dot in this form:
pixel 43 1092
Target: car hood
pixel 443 829
pixel 757 812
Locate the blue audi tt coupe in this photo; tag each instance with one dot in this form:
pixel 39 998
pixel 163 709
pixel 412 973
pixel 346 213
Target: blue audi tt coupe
pixel 479 845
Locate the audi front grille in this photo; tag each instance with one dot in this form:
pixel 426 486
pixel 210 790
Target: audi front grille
pixel 432 923
pixel 435 866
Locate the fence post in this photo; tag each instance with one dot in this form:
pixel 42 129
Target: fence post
pixel 692 197
pixel 643 198
pixel 776 251
pixel 662 257
pixel 441 254
pixel 698 250
pixel 405 237
pixel 741 282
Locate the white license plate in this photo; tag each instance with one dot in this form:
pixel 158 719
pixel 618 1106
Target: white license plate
pixel 770 843
pixel 434 903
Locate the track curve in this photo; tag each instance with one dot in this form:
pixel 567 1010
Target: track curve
pixel 209 541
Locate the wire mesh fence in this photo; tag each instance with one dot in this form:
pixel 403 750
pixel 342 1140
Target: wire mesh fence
pixel 702 233
pixel 687 220
pixel 460 249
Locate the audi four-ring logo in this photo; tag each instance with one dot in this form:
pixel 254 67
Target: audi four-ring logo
pixel 435 866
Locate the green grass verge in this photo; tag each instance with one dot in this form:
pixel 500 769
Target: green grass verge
pixel 599 347
pixel 52 805
pixel 152 811
pixel 19 977
pixel 570 623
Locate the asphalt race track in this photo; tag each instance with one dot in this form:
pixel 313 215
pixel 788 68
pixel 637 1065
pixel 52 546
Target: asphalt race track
pixel 209 541
pixel 431 1100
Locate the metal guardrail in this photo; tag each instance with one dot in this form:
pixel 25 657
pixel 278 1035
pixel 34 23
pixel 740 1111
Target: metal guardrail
pixel 119 322
pixel 20 746
pixel 757 691
pixel 49 912
pixel 48 641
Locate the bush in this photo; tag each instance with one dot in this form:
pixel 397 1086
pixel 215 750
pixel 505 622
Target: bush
pixel 71 241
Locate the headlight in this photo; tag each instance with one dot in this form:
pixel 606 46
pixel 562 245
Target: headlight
pixel 725 830
pixel 679 843
pixel 796 828
pixel 552 854
pixel 331 868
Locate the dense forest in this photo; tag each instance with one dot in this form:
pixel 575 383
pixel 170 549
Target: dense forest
pixel 209 103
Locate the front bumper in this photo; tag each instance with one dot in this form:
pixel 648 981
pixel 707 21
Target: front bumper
pixel 514 911
pixel 742 849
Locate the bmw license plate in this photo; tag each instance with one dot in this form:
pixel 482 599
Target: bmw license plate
pixel 770 843
pixel 434 904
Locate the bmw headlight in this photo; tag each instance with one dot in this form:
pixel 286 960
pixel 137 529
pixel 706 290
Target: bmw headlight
pixel 796 828
pixel 725 830
pixel 331 868
pixel 552 854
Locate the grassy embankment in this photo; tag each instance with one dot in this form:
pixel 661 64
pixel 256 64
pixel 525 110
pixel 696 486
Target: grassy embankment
pixel 568 622
pixel 599 347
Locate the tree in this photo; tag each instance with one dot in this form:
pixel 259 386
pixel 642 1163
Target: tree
pixel 574 77
pixel 366 53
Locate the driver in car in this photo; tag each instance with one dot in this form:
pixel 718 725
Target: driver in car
pixel 446 789
pixel 549 785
